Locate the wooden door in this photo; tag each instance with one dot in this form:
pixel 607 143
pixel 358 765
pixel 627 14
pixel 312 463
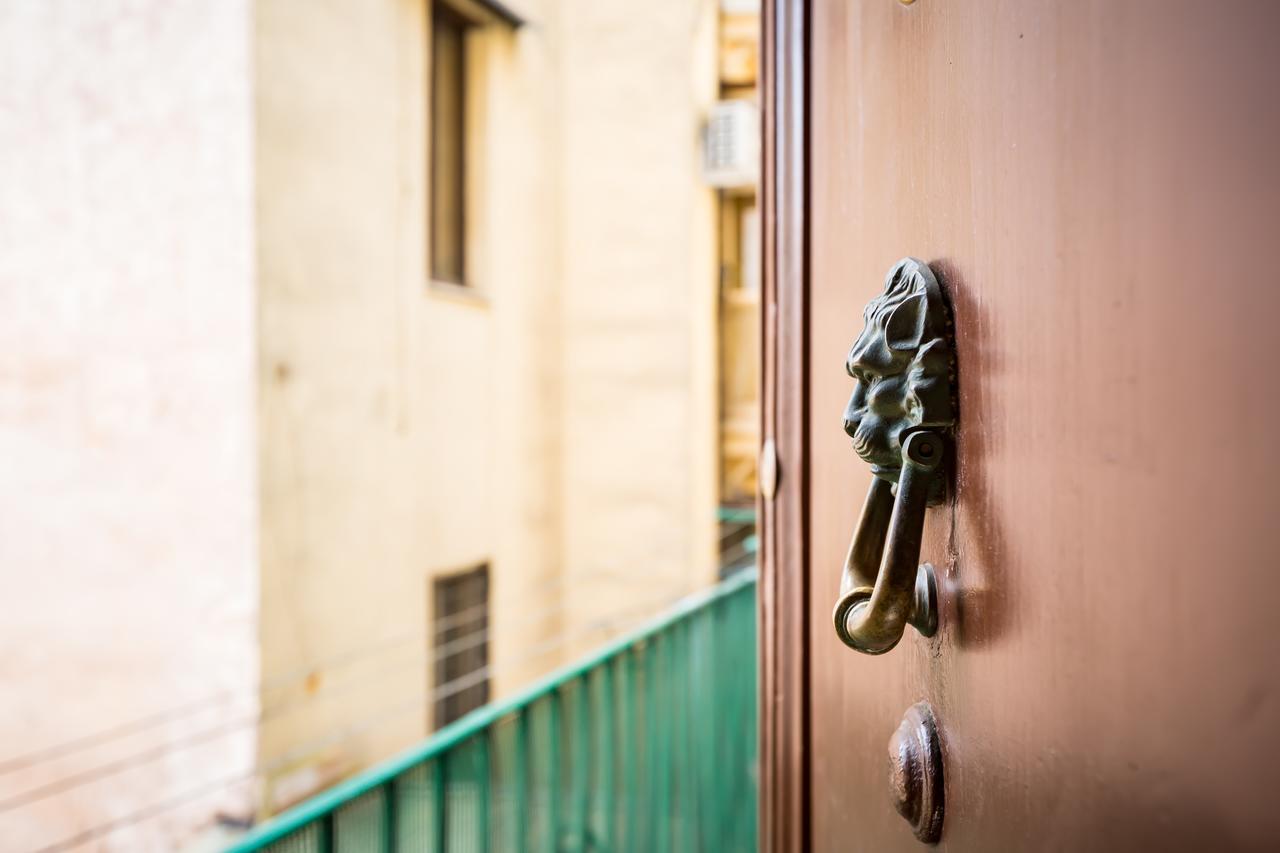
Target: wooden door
pixel 1097 187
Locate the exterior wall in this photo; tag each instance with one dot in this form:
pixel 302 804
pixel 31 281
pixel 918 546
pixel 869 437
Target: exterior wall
pixel 740 251
pixel 128 514
pixel 558 421
pixel 346 373
pixel 639 255
pixel 516 249
pixel 408 429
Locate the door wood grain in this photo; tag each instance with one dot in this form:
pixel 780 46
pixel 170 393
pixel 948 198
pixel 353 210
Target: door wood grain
pixel 1096 186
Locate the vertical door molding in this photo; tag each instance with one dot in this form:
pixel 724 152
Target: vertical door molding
pixel 784 578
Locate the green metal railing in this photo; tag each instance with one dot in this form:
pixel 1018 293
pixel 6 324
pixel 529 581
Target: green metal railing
pixel 649 744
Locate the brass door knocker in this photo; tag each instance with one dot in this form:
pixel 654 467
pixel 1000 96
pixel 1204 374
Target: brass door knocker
pixel 900 418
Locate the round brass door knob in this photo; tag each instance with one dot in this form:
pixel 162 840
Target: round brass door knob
pixel 915 772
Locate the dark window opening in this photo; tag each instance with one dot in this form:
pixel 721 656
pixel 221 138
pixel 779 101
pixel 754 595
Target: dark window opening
pixel 461 605
pixel 448 144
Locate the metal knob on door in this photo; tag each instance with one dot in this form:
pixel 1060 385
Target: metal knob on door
pixel 900 417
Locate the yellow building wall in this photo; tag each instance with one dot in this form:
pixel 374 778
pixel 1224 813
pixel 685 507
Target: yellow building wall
pixel 558 421
pixel 639 293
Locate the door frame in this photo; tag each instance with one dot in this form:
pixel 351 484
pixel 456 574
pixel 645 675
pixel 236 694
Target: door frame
pixel 783 504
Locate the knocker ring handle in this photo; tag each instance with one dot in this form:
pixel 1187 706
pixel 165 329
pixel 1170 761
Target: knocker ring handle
pixel 900 417
pixel 882 589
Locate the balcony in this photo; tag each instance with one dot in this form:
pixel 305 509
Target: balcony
pixel 648 744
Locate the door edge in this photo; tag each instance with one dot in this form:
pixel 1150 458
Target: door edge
pixel 784 524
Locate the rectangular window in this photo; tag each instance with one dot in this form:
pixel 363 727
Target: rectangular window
pixel 461 653
pixel 448 140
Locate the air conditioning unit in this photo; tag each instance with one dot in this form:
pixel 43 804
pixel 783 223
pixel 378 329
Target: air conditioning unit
pixel 731 146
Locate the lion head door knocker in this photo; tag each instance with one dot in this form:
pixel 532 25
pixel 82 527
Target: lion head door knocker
pixel 900 418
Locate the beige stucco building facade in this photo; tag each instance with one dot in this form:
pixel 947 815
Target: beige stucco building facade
pixel 250 432
pixel 555 419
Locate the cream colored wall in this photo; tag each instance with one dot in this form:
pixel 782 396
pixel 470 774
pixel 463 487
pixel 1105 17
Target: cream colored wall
pixel 348 531
pixel 639 299
pixel 557 421
pixel 407 429
pixel 515 250
pixel 560 427
pixel 128 501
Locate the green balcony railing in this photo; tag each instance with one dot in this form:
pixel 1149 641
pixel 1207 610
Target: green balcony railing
pixel 649 744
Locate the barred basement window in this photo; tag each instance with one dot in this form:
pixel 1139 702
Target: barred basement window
pixel 461 648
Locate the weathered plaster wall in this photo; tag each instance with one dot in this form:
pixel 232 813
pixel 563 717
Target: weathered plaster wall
pixel 639 285
pixel 347 536
pixel 158 157
pixel 557 422
pixel 128 505
pixel 408 430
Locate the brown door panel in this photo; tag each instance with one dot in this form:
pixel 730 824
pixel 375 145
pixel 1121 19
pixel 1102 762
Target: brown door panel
pixel 1095 185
